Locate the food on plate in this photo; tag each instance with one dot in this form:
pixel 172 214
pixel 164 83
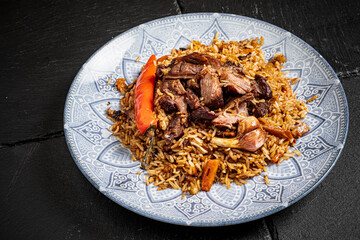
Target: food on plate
pixel 209 113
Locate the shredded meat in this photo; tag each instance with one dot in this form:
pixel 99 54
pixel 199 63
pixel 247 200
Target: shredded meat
pixel 167 103
pixel 210 89
pixel 174 96
pixel 205 76
pixel 234 103
pixel 202 114
pixel 175 129
pixel 172 100
pixel 173 86
pixel 262 87
pixel 260 109
pixel 159 72
pixel 199 59
pixel 183 70
pixel 226 120
pixel 192 99
pixel 181 104
pixel 234 111
pixel 234 83
pixel 193 84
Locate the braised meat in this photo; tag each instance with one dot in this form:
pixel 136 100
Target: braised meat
pixel 203 114
pixel 183 70
pixel 233 112
pixel 234 83
pixel 260 109
pixel 174 86
pixel 174 100
pixel 167 103
pixel 188 66
pixel 181 104
pixel 199 59
pixel 192 99
pixel 262 87
pixel 175 129
pixel 193 84
pixel 226 120
pixel 206 81
pixel 159 72
pixel 211 91
pixel 187 70
pixel 235 102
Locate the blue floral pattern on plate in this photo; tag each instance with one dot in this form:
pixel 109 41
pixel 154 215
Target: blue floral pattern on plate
pixel 107 165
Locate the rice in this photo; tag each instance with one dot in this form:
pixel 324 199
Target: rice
pixel 181 168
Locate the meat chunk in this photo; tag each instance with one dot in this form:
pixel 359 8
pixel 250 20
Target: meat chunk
pixel 260 109
pixel 181 104
pixel 173 86
pixel 202 114
pixel 188 66
pixel 167 103
pixel 175 129
pixel 234 111
pixel 262 87
pixel 170 105
pixel 192 99
pixel 235 103
pixel 174 97
pixel 194 58
pixel 193 84
pixel 234 83
pixel 210 89
pixel 200 59
pixel 226 120
pixel 159 73
pixel 183 70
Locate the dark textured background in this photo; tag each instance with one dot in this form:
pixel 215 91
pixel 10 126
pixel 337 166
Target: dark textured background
pixel 44 196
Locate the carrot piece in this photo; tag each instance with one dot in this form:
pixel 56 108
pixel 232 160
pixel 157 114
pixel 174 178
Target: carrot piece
pixel 144 96
pixel 209 173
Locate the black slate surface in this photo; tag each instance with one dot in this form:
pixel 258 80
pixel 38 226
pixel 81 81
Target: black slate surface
pixel 44 195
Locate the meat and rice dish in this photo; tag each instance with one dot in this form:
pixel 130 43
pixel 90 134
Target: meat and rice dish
pixel 209 113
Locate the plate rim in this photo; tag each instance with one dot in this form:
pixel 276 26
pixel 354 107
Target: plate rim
pixel 215 223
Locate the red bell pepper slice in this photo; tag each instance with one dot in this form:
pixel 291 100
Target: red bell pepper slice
pixel 144 96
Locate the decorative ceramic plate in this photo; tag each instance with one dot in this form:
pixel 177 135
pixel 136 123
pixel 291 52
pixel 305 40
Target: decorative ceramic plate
pixel 107 165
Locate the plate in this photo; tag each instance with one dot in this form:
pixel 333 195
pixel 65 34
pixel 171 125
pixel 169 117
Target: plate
pixel 107 165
